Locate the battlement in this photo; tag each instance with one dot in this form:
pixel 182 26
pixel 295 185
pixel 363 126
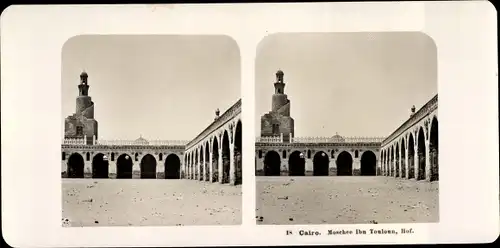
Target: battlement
pixel 82 141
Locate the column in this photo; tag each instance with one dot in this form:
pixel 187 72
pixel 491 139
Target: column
pixel 191 169
pixel 385 163
pixel 210 164
pixel 407 168
pixel 415 160
pixel 427 161
pixel 379 168
pixel 232 169
pixel 219 164
pixel 198 177
pixel 204 176
pixel 393 163
pixel 400 162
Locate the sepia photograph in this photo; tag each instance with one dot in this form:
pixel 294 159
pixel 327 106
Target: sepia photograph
pixel 122 125
pixel 152 131
pixel 347 128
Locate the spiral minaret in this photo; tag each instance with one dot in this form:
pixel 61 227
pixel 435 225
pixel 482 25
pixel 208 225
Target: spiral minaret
pixel 82 123
pixel 278 121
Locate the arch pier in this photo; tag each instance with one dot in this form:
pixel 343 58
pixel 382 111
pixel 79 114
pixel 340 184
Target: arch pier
pixel 413 147
pixel 216 153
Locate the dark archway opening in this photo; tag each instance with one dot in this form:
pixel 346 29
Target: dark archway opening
pixel 344 164
pixel 215 160
pixel 148 167
pixel 296 164
pixel 238 158
pixel 100 166
pixel 368 164
pixel 397 160
pixel 320 164
pixel 172 167
pixel 272 164
pixel 421 154
pixel 76 166
pixel 411 157
pixel 225 158
pixel 124 166
pixel 434 150
pixel 207 162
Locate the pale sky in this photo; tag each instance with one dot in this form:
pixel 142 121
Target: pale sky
pixel 356 84
pixel 158 86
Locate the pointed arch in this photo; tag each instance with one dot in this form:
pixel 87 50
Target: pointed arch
pixel 344 164
pixel 100 166
pixel 238 153
pixel 225 158
pixel 172 166
pixel 215 160
pixel 207 162
pixel 76 166
pixel 421 154
pixel 411 156
pixel 320 164
pixel 148 167
pixel 124 166
pixel 434 149
pixel 368 163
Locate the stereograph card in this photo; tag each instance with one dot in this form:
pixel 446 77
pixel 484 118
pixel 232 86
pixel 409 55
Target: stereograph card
pixel 249 124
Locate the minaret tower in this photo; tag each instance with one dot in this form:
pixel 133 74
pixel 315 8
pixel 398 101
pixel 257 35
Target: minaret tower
pixel 278 121
pixel 82 124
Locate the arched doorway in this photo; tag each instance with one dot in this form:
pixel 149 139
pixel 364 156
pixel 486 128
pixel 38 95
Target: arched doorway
pixel 411 157
pixel 397 159
pixel 100 166
pixel 172 167
pixel 296 164
pixel 76 166
pixel 148 167
pixel 434 150
pixel 320 164
pixel 368 164
pixel 344 164
pixel 225 158
pixel 272 164
pixel 124 166
pixel 215 160
pixel 421 154
pixel 238 162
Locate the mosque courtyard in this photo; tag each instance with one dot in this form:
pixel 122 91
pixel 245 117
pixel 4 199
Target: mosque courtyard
pixel 149 202
pixel 345 200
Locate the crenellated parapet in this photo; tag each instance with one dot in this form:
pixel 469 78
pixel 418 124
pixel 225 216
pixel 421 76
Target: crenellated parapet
pixel 424 111
pixel 137 143
pixel 222 120
pixel 337 140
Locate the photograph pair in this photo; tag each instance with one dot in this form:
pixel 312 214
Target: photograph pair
pixel 345 130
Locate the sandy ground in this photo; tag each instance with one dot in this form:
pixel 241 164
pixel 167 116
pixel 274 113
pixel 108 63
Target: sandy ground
pixel 149 202
pixel 345 200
